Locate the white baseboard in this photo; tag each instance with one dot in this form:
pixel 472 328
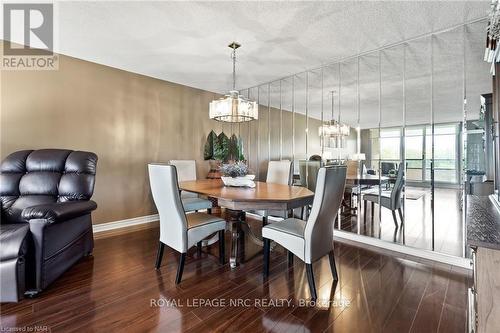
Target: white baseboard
pixel 406 250
pixel 338 234
pixel 125 223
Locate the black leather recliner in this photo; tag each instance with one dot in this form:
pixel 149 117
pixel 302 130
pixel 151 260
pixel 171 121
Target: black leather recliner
pixel 46 223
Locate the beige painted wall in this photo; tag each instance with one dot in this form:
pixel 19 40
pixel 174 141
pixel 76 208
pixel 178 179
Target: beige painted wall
pixel 128 120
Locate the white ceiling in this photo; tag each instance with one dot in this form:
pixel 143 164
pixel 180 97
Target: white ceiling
pixel 186 43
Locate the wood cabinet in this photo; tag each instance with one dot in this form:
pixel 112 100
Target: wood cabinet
pixel 483 236
pixel 486 291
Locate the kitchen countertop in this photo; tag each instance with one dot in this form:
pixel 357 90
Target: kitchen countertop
pixel 483 222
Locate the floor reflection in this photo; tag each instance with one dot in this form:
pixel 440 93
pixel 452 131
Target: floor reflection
pixel 417 230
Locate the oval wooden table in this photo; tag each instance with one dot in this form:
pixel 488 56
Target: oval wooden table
pixel 236 200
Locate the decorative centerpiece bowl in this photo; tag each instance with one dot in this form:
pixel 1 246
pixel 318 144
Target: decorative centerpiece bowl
pixel 236 174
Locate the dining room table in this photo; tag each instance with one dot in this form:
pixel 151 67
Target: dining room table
pixel 238 200
pixel 362 180
pixel 366 179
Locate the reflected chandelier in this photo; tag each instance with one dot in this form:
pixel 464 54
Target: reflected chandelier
pixel 334 132
pixel 233 107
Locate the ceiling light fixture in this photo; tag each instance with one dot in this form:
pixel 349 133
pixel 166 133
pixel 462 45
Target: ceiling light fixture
pixel 334 132
pixel 233 107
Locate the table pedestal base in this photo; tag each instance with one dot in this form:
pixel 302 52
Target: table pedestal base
pixel 239 228
pixel 235 217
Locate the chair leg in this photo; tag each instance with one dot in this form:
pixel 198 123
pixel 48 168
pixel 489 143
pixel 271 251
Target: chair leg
pixel 198 248
pixel 222 247
pixel 159 254
pixel 401 216
pixel 180 268
pixel 365 204
pixel 394 217
pixel 209 210
pixel 264 220
pixel 373 210
pixel 302 213
pixel 333 267
pixel 290 258
pixel 267 249
pixel 310 279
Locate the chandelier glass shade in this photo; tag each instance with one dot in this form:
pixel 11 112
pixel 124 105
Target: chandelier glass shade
pixel 233 107
pixel 334 128
pixel 334 132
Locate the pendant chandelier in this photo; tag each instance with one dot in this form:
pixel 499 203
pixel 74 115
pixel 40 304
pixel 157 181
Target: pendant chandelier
pixel 334 132
pixel 233 107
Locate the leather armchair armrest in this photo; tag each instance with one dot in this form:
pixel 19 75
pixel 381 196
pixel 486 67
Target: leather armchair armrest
pixel 58 211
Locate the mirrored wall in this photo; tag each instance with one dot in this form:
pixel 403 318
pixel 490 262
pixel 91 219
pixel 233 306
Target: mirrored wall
pixel 409 122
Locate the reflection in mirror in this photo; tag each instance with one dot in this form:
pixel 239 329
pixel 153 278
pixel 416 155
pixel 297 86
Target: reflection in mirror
pixel 253 138
pixel 287 119
pixel 369 145
pixel 346 147
pixel 418 221
pixel 443 140
pixel 391 145
pixel 275 122
pixel 263 129
pixel 299 119
pixel 314 110
pixel 414 145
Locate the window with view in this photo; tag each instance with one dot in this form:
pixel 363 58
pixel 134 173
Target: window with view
pixel 386 147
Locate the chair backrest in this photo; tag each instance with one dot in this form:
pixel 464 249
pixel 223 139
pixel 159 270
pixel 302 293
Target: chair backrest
pixel 327 199
pixel 387 167
pixel 186 171
pixel 352 168
pixel 365 171
pixel 165 190
pixel 36 177
pixel 279 172
pixel 398 187
pixel 308 171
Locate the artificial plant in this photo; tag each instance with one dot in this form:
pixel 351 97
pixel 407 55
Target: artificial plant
pixel 221 148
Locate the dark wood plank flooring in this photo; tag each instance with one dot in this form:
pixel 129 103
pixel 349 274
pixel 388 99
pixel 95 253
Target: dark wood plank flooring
pixel 113 291
pixel 448 229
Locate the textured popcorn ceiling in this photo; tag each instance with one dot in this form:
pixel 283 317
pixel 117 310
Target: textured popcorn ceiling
pixel 186 42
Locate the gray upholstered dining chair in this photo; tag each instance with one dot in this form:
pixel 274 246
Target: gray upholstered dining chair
pixel 278 172
pixel 308 173
pixel 312 239
pixel 186 170
pixel 178 230
pixel 390 199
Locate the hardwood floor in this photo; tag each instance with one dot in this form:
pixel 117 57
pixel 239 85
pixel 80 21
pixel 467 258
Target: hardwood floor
pixel 118 290
pixel 448 232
